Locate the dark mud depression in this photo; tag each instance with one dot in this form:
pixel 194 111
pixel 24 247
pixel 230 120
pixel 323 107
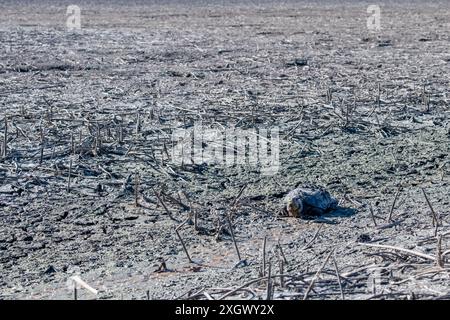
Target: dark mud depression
pixel 87 187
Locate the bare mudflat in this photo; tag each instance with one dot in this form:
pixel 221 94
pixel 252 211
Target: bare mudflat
pixel 89 184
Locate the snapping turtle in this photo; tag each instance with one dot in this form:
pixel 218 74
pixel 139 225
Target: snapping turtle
pixel 308 201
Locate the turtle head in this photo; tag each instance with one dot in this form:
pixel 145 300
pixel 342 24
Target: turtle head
pixel 294 207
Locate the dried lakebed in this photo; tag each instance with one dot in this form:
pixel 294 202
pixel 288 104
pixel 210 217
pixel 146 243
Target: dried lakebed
pixel 88 185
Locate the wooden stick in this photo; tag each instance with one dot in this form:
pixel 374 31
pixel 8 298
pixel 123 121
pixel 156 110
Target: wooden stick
pixel 439 257
pixel 120 134
pixel 411 252
pixel 264 256
pixel 72 144
pixel 138 123
pixel 446 252
pixel 372 215
pixel 78 281
pixel 282 252
pixel 194 212
pixel 166 151
pixel 249 283
pixel 269 283
pixel 316 276
pixel 181 239
pixel 379 96
pixel 339 278
pixel 389 219
pixel 435 216
pixel 230 226
pixel 41 157
pixel 236 200
pixel 174 200
pixel 423 94
pixel 70 175
pixel 313 238
pixel 98 141
pixel 136 189
pixel 195 219
pixel 281 272
pixel 5 138
pixel 164 205
pixel 208 296
pixel 80 140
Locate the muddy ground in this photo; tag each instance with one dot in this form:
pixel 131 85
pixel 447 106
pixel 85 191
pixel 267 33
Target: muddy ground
pixel 90 114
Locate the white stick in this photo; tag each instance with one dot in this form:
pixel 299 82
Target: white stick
pixel 77 280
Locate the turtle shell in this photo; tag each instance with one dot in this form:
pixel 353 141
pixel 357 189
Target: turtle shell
pixel 314 200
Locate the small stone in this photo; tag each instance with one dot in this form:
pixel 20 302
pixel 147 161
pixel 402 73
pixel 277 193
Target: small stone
pixel 363 238
pixel 50 270
pixel 298 62
pixel 384 43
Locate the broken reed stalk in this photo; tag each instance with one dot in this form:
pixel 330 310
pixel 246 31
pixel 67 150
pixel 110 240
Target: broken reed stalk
pixel 426 99
pixel 72 144
pixel 434 215
pixel 411 252
pixel 138 123
pixel 313 238
pixel 80 137
pixel 120 134
pixel 377 102
pixel 281 273
pixel 136 189
pixel 195 219
pixel 316 276
pixel 347 115
pixel 98 141
pixel 296 126
pixel 158 196
pixel 374 287
pixel 75 291
pixel 372 214
pixel 338 278
pixel 70 176
pixel 329 95
pixel 282 252
pixel 379 96
pixel 269 283
pixel 5 139
pixel 193 212
pixel 41 157
pixel 181 239
pixel 389 219
pixel 424 92
pixel 166 151
pixel 439 257
pixel 236 200
pixel 229 293
pixel 230 226
pixel 264 256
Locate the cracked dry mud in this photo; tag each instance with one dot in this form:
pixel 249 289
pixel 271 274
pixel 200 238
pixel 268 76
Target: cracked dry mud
pixel 77 97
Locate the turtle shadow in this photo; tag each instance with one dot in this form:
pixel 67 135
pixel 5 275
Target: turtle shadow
pixel 341 212
pixel 327 217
